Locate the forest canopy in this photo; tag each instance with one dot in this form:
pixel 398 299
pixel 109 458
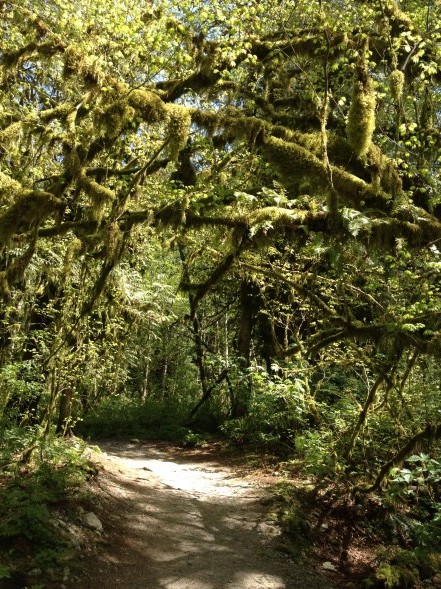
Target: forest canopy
pixel 233 206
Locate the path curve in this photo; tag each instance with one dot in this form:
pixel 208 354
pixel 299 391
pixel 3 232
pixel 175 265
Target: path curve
pixel 172 521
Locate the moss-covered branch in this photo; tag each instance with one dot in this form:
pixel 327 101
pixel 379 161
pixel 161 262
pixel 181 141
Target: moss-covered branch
pixel 430 434
pixel 28 211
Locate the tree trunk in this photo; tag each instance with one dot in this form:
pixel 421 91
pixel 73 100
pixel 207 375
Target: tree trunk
pixel 248 309
pixel 63 424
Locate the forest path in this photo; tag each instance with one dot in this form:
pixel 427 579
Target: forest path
pixel 180 520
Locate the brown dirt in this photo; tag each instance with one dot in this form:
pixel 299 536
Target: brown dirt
pixel 176 519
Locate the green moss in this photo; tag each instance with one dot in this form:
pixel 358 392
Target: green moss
pixel 59 112
pixel 11 58
pixel 178 128
pixel 295 163
pixel 94 242
pixel 276 215
pixel 9 187
pixel 73 163
pixel 384 174
pixel 428 563
pixel 433 560
pixel 27 212
pixel 235 124
pixel 148 105
pixel 84 66
pixel 294 523
pixel 100 196
pixel 208 120
pixel 53 45
pixel 361 116
pixel 113 242
pixel 71 121
pixel 396 14
pixel 396 84
pixel 73 61
pixel 395 576
pixel 427 115
pixel 73 250
pixel 5 291
pixel 10 135
pixel 248 128
pixel 292 161
pixel 115 118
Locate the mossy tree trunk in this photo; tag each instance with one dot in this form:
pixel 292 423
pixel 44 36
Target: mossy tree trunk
pixel 248 308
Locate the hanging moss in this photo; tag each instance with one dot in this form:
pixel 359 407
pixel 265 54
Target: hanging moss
pixel 73 61
pixel 84 66
pixel 113 242
pixel 361 116
pixel 236 125
pixel 384 174
pixel 94 242
pixel 27 212
pixel 10 135
pixel 115 118
pixel 5 291
pixel 427 111
pixel 148 105
pixel 208 120
pixel 73 250
pixel 293 161
pixel 169 216
pixel 16 270
pixel 178 128
pixel 73 162
pixel 396 84
pixel 100 196
pixel 248 128
pixel 399 19
pixel 11 58
pixel 59 112
pixel 9 187
pixel 52 46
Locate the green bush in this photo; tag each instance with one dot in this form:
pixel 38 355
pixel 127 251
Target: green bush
pixel 40 473
pixel 125 417
pixel 416 487
pixel 276 412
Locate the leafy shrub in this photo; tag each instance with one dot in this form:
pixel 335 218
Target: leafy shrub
pixel 403 569
pixel 414 516
pixel 416 486
pixel 315 447
pixel 276 412
pixel 122 416
pixel 40 472
pixel 20 384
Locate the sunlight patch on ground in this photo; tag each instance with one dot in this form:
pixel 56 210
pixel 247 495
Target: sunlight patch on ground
pixel 185 583
pixel 189 478
pixel 242 580
pixel 255 580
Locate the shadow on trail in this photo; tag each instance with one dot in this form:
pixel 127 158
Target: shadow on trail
pixel 160 537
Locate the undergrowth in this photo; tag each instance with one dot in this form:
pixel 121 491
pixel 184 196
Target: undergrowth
pixel 117 417
pixel 40 474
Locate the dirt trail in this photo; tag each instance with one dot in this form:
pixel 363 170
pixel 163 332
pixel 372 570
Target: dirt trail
pixel 174 521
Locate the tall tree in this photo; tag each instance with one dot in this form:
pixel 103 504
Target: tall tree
pixel 295 144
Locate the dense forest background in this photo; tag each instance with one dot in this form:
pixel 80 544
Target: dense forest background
pixel 226 217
